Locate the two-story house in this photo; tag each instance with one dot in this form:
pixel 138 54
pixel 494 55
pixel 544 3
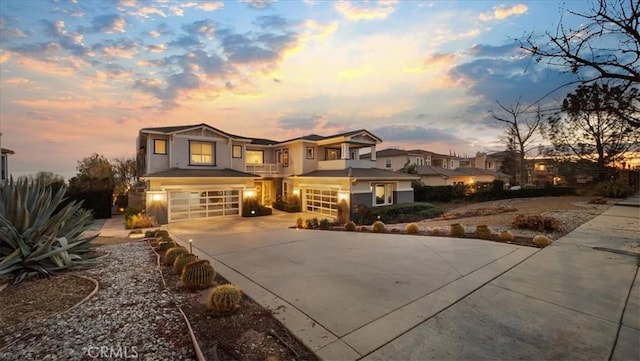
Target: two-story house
pixel 198 171
pixel 397 159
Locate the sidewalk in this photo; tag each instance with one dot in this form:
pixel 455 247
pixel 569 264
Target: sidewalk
pixel 576 299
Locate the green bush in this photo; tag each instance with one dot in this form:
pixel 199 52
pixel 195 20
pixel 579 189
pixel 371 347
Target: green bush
pixel 287 207
pixel 614 189
pixel 404 213
pixel 311 223
pixel 324 224
pixel 140 220
pixel 38 233
pixel 423 193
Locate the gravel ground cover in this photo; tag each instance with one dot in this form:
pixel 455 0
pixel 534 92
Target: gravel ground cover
pixel 131 316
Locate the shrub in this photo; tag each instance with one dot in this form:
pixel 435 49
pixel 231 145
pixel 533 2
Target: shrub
pixel 614 189
pixel 412 228
pixel 506 236
pixel 435 232
pixel 404 213
pixel 312 223
pixel 363 229
pixel 536 222
pixel 541 241
pixel 251 208
pixel 224 299
pixel 161 233
pixel 324 224
pixel 173 253
pixel 299 223
pixel 378 227
pixel 130 212
pixel 286 207
pixel 140 220
pixel 363 215
pixel 456 230
pixel 38 233
pixel 483 232
pixel 198 275
pixel 350 226
pixel 183 260
pixel 598 200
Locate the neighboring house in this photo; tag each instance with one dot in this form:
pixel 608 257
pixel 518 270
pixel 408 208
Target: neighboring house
pixel 397 159
pixel 492 161
pixel 198 171
pixel 435 176
pixel 4 163
pixel 541 171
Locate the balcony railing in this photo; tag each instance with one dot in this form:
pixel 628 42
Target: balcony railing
pixel 263 169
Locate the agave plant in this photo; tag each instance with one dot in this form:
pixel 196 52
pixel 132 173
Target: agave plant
pixel 39 234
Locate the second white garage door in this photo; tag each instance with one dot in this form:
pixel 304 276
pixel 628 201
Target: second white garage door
pixel 321 201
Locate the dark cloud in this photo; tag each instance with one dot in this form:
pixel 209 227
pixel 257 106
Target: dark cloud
pixel 258 4
pixel 484 50
pixel 251 47
pixel 187 41
pixel 66 40
pixel 10 28
pixel 107 23
pixel 300 122
pixel 116 48
pixel 272 22
pixel 413 133
pixel 510 80
pixel 204 28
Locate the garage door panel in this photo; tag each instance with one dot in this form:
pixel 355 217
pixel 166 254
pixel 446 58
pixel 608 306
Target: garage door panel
pixel 203 204
pixel 321 201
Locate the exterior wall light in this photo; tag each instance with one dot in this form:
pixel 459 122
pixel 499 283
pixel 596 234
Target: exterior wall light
pixel 249 193
pixel 296 191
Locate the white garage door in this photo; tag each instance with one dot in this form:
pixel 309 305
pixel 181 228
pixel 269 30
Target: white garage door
pixel 203 204
pixel 321 201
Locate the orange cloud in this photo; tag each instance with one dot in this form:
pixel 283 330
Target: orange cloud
pixel 503 11
pixel 17 81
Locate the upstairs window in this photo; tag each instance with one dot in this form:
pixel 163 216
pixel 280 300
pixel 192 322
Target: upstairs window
pixel 388 164
pixel 202 153
pixel 255 157
pixel 310 153
pixel 159 146
pixel 237 151
pixel 285 157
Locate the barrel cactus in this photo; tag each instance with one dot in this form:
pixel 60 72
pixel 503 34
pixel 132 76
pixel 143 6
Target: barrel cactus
pixel 224 299
pixel 350 226
pixel 483 232
pixel 166 244
pixel 506 236
pixel 435 232
pixel 456 230
pixel 182 261
pixel 378 227
pixel 541 241
pixel 173 253
pixel 198 275
pixel 412 228
pixel 161 233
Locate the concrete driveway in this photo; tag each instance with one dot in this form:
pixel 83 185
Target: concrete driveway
pixel 346 294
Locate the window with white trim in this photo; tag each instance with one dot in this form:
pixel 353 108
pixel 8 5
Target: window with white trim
pixel 383 194
pixel 255 157
pixel 237 151
pixel 387 163
pixel 202 153
pixel 159 146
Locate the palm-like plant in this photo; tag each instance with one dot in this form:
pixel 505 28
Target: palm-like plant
pixel 39 234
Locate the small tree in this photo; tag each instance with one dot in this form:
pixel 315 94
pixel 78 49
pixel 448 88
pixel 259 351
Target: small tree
pixel 522 125
pixel 125 174
pixel 589 125
pixel 94 166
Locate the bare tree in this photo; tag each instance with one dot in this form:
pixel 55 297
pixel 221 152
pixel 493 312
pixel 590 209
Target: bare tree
pixel 125 174
pixel 605 46
pixel 522 125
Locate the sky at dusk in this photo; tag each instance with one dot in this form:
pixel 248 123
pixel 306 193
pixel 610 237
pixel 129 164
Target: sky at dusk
pixel 82 77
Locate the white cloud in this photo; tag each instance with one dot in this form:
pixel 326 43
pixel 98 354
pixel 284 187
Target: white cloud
pixel 503 11
pixel 352 12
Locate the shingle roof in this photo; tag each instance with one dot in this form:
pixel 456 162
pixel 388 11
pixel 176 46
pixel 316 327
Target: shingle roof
pixel 431 170
pixel 200 173
pixel 362 173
